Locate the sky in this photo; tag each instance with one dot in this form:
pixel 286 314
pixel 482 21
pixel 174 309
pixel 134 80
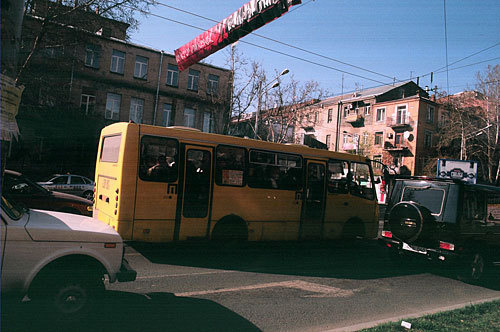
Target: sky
pixel 348 44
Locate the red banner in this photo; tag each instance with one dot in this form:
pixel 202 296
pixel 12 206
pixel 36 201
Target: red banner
pixel 248 18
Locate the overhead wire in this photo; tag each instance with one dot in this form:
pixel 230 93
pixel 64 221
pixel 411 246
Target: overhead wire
pixel 439 70
pixel 259 46
pixel 280 42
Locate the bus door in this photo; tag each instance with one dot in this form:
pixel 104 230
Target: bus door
pixel 313 207
pixel 156 189
pixel 193 213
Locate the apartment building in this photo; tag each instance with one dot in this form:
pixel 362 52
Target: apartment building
pixel 85 74
pixel 394 124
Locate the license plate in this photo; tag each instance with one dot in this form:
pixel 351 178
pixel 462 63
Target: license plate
pixel 414 249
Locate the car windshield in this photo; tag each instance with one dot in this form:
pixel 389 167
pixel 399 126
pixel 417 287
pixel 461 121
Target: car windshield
pixel 21 184
pixel 429 197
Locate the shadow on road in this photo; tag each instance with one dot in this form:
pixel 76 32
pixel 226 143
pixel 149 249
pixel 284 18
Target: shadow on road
pixel 121 311
pixel 359 260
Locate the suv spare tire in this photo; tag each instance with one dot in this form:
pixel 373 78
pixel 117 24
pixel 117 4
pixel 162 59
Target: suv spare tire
pixel 406 221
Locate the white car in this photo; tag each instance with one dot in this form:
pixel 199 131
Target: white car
pixel 58 259
pixel 71 184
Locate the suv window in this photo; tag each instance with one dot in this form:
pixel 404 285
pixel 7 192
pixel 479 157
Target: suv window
pixel 431 198
pixel 474 205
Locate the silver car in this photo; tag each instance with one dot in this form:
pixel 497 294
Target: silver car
pixel 71 184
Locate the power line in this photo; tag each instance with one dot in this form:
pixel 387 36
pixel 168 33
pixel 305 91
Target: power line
pixel 259 46
pixel 439 70
pixel 280 42
pixel 470 64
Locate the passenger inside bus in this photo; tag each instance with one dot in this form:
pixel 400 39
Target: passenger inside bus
pixel 161 169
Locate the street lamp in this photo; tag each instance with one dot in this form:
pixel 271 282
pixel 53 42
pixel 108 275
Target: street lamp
pixel 263 91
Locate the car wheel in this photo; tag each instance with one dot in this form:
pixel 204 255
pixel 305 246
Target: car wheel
pixel 473 270
pixel 69 298
pixel 88 195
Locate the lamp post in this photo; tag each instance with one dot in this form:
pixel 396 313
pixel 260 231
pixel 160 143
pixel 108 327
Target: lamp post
pixel 463 151
pixel 264 90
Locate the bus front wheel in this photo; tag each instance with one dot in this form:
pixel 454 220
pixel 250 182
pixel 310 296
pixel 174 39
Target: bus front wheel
pixel 231 229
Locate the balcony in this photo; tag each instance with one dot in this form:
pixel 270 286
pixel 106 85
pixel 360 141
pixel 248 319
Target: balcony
pixel 400 124
pixel 400 149
pixel 356 120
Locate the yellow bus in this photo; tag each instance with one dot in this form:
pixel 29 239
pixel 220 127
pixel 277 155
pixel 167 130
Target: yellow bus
pixel 157 184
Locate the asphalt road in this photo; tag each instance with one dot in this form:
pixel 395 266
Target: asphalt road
pixel 268 287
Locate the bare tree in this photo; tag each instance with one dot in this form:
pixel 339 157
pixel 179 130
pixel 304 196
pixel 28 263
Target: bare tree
pixel 52 14
pixel 488 84
pixel 471 126
pixel 287 107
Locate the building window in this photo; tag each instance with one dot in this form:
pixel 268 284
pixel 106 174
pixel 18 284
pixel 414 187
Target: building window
pixel 189 115
pixel 168 115
pixel 172 75
pixel 136 110
pixel 207 122
pixel 399 139
pixel 193 77
pixel 330 115
pixel 380 114
pixel 428 139
pixel 355 141
pixel 368 109
pixel 141 67
pixel 316 117
pixel 213 84
pixel 92 55
pixel 328 141
pixel 345 139
pixel 87 103
pixel 117 62
pixel 113 102
pixel 379 138
pixel 430 114
pixel 378 162
pixel 53 52
pixel 401 115
pixel 365 138
pixel 346 111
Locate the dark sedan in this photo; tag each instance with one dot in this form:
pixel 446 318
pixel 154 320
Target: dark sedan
pixel 23 190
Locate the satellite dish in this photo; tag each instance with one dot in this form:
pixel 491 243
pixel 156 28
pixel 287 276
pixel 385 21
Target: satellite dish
pixel 406 134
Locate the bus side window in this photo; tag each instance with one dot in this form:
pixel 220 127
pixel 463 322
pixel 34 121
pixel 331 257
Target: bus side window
pixel 230 166
pixel 338 182
pixel 275 171
pixel 159 159
pixel 361 184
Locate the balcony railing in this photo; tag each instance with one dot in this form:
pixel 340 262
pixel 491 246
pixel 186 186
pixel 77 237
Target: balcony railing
pixel 397 123
pixel 356 120
pixel 401 147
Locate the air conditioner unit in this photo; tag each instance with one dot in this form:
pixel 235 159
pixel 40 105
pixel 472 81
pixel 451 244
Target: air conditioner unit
pixel 389 135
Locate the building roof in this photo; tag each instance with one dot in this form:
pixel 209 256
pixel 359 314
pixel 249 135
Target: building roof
pixel 361 95
pixel 373 92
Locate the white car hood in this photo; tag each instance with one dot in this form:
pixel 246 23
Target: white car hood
pixel 65 227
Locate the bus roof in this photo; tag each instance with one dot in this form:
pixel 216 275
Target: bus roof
pixel 201 137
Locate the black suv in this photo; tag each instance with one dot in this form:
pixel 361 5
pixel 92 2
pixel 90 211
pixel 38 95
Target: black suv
pixel 444 220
